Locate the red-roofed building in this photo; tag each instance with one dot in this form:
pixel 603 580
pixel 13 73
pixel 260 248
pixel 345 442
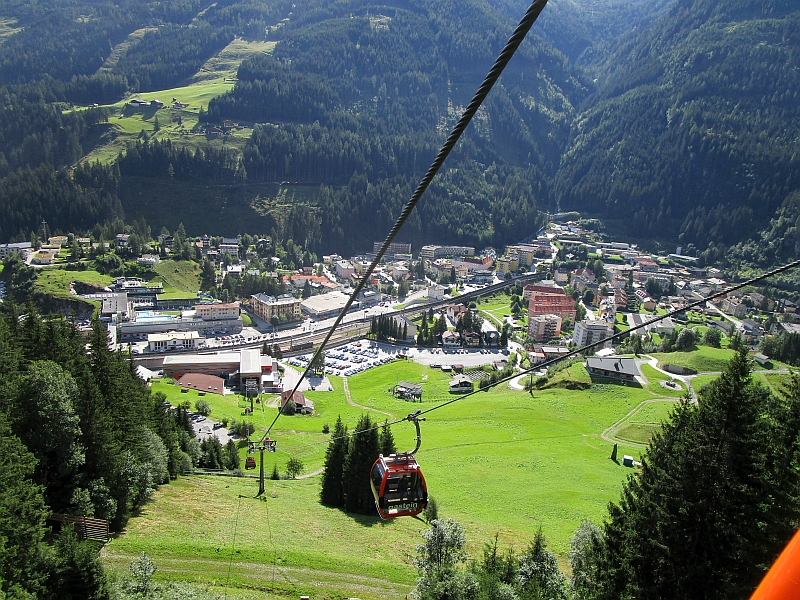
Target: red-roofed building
pixel 547 287
pixel 548 303
pixel 202 383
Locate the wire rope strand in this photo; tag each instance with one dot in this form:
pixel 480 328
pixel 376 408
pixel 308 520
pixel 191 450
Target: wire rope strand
pixel 491 78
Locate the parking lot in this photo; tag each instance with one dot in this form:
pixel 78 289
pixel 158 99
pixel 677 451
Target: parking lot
pixel 359 356
pixel 468 357
pixel 354 357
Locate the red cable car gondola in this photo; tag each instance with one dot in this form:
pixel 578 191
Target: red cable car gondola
pixel 250 463
pixel 398 483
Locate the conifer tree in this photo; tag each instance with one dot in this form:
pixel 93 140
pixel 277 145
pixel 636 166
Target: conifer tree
pixel 332 492
pixel 715 501
pixel 386 440
pixel 362 452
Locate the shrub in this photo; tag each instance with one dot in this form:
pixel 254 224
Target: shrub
pixel 431 511
pixel 326 428
pixel 203 407
pixel 294 467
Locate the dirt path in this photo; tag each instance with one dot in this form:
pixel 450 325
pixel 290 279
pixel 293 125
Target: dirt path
pixel 351 403
pixel 312 474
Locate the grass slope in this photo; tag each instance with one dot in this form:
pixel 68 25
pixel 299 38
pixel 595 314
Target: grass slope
pixel 55 282
pixel 703 359
pixel 499 462
pixel 214 78
pixel 182 276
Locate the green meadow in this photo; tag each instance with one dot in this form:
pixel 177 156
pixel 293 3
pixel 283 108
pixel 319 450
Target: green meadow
pixel 500 462
pixel 180 278
pixel 215 77
pixel 55 281
pixel 703 359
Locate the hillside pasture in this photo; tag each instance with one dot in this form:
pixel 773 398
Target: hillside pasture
pixel 501 462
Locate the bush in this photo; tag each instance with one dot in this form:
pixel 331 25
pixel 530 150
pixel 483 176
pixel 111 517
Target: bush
pixel 242 428
pixel 203 407
pixel 431 511
pixel 712 337
pixel 326 428
pixel 275 475
pixel 294 467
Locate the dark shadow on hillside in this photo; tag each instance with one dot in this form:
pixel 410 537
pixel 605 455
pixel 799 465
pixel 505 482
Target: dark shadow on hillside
pixel 596 379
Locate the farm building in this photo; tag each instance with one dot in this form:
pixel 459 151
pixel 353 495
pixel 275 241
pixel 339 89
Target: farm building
pixel 461 384
pixel 407 391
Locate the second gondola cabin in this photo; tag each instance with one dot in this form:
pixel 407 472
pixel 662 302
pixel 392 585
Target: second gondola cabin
pixel 398 486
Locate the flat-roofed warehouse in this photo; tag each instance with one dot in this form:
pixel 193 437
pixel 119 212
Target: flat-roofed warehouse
pixel 327 305
pixel 235 367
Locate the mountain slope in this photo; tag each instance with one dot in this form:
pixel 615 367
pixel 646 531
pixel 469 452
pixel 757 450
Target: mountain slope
pixel 694 130
pixel 361 96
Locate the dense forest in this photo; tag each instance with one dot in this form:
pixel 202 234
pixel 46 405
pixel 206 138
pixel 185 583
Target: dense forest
pixel 81 434
pixel 692 133
pixel 675 118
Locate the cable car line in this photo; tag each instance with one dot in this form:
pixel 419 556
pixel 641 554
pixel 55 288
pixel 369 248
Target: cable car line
pixel 491 78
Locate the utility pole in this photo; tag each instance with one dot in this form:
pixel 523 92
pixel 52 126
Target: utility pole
pixel 261 488
pixel 270 446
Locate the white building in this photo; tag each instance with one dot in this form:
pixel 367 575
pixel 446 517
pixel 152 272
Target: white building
pixel 148 260
pixel 544 327
pixel 589 332
pixel 436 292
pixel 22 248
pixel 174 340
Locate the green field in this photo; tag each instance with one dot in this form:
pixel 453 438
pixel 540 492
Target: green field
pixel 704 359
pixel 501 462
pixel 214 78
pixel 55 282
pixel 655 377
pixel 181 276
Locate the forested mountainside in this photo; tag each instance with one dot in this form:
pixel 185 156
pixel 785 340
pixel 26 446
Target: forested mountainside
pixel 693 131
pixel 677 118
pixel 359 98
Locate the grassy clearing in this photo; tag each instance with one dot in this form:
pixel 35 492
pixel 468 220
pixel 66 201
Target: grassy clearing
pixel 55 282
pixel 500 462
pixel 699 382
pixel 703 359
pixel 226 63
pixel 8 28
pixel 654 383
pixel 639 427
pixel 183 275
pixel 122 48
pixel 214 78
pixel 777 382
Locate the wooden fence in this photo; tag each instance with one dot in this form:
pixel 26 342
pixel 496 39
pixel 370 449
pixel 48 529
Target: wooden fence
pixel 86 528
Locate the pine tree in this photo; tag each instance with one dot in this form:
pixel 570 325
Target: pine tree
pixel 386 440
pixel 332 491
pixel 362 452
pixel 715 501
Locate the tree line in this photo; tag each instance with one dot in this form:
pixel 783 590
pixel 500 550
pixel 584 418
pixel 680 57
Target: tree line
pixel 348 462
pixel 81 435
